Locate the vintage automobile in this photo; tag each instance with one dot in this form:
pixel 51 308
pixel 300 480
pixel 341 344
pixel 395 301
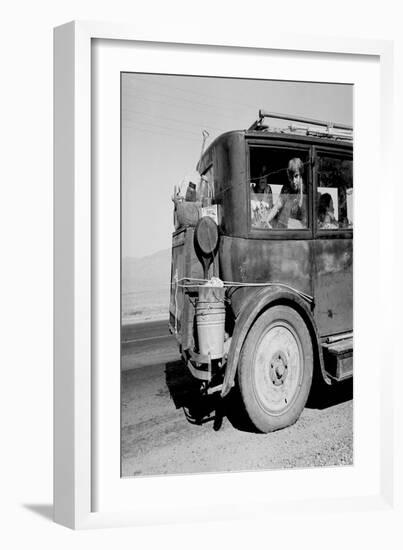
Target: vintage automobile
pixel 262 274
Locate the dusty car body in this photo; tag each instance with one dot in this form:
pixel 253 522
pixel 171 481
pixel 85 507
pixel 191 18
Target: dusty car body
pixel 287 288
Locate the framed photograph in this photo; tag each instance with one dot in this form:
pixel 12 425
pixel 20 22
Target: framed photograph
pixel 213 201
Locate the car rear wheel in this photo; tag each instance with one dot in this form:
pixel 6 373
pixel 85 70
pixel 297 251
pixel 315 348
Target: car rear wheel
pixel 275 369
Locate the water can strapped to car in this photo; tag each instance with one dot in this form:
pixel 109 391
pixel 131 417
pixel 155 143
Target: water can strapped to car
pixel 210 321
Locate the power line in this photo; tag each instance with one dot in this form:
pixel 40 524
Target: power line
pixel 168 128
pixel 185 99
pixel 217 108
pixel 209 96
pixel 181 136
pixel 218 114
pixel 193 125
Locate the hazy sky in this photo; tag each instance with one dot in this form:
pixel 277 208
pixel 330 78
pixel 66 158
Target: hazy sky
pixel 162 122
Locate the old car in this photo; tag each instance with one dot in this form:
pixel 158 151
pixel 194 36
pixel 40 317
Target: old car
pixel 262 269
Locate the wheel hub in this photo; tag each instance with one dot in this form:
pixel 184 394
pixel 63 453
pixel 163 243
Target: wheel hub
pixel 278 368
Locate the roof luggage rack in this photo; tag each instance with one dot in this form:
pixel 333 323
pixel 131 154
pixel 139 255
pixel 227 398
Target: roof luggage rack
pixel 332 129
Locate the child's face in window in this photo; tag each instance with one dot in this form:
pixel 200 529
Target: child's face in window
pixel 260 187
pixel 296 180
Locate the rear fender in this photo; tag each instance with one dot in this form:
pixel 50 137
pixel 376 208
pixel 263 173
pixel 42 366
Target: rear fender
pixel 248 314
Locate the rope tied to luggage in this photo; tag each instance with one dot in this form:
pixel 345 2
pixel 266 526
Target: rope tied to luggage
pixel 192 282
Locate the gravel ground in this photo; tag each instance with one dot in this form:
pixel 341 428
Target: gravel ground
pixel 159 438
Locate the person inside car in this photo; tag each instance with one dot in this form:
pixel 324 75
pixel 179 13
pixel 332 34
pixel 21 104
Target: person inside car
pixel 261 199
pixel 290 211
pixel 326 218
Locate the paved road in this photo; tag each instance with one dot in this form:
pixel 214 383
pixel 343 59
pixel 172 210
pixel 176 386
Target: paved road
pixel 145 331
pixel 168 429
pixel 147 344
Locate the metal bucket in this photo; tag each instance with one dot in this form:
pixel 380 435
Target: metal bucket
pixel 210 321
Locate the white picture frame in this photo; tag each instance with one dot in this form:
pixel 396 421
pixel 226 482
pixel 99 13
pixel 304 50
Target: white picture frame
pixel 81 480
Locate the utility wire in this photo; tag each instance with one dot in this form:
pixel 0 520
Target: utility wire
pixel 154 117
pixel 165 131
pixel 196 92
pixel 160 134
pixel 217 108
pixel 162 127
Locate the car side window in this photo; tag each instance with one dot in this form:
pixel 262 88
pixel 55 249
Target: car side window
pixel 334 200
pixel 278 188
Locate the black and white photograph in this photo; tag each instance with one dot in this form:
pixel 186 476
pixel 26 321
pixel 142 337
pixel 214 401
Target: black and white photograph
pixel 237 213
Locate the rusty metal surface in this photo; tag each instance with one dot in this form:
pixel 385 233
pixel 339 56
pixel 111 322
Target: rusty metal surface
pixel 230 174
pixel 258 260
pixel 333 285
pixel 322 268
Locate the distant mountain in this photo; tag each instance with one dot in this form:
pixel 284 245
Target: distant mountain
pixel 147 273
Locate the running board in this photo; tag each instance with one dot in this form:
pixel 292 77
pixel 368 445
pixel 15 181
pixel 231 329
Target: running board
pixel 338 358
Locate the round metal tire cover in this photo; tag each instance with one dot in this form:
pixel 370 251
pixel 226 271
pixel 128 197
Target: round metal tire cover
pixel 206 235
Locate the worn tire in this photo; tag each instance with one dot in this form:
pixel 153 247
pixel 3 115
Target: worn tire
pixel 275 369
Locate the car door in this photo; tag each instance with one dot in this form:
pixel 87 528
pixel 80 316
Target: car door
pixel 333 248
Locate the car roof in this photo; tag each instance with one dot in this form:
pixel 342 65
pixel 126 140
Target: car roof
pixel 263 133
